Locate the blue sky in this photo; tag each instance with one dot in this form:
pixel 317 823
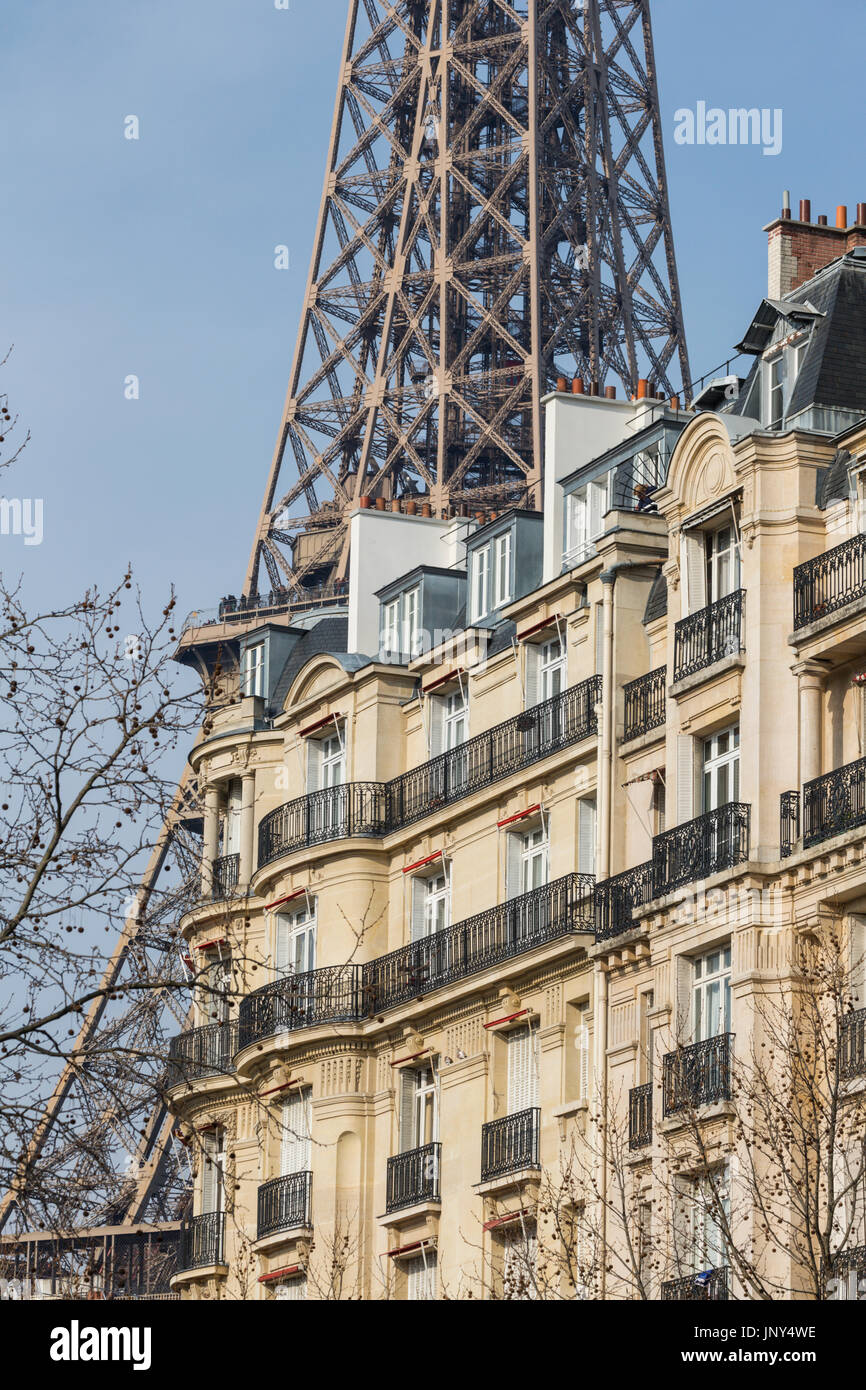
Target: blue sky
pixel 155 257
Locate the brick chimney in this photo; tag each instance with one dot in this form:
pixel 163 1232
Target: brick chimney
pixel 798 249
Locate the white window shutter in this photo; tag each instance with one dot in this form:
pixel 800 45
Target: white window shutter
pixel 314 764
pixel 281 946
pixel 436 715
pixel 210 1184
pixel 417 889
pixel 513 884
pixel 584 1036
pixel 421 1277
pixel 522 1071
pixel 684 1021
pixel 685 778
pixel 586 821
pixel 531 674
pixel 693 567
pixel 295 1142
pixel 597 508
pixel 406 1138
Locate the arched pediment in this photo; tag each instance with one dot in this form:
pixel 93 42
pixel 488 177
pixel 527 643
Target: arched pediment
pixel 318 678
pixel 702 466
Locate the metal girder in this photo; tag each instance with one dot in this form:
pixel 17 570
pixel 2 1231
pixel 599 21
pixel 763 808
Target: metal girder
pixel 494 216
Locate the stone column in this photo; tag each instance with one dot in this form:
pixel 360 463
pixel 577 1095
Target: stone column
pixel 211 838
pixel 248 798
pixel 810 682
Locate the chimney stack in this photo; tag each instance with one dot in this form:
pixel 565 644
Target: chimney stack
pixel 797 250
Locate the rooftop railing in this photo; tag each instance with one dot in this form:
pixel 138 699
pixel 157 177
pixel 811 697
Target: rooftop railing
pixel 705 637
pixel 830 581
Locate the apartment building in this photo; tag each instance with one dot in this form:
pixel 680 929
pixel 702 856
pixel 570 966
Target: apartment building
pixel 503 849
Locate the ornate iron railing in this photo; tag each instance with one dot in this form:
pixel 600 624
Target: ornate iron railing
pixel 789 823
pixel 202 1241
pixel 333 813
pixel 543 914
pixel 829 581
pixel 377 808
pixel 852 1044
pixel 834 803
pixel 330 995
pixel 640 1115
pixel 849 1261
pixel 284 1204
pixel 225 873
pixel 413 1177
pixel 509 1144
pixel 699 1074
pixel 696 849
pixel 711 1286
pixel 645 706
pixel 617 897
pixel 206 1051
pixel 350 993
pixel 709 635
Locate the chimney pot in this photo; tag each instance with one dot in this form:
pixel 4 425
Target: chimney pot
pixel 560 383
pixel 577 386
pixel 822 220
pixel 642 388
pixel 842 216
pixel 861 214
pixel 593 388
pixel 786 204
pixel 610 393
pixel 805 210
pixel 675 402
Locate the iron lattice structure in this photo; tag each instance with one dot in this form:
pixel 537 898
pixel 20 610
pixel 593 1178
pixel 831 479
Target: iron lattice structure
pixel 495 216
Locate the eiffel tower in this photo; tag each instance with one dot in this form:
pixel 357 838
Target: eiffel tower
pixel 494 224
pixel 494 219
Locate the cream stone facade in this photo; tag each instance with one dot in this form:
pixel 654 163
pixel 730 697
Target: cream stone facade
pixel 469 915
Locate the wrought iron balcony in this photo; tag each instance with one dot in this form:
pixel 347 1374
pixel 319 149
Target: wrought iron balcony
pixel 707 636
pixel 852 1045
pixel 350 993
pixel 696 849
pixel 413 1177
pixel 711 1286
pixel 834 803
pixel 645 706
pixel 544 914
pixel 617 897
pixel 330 995
pixel 699 1074
pixel 830 581
pixel 378 808
pixel 284 1204
pixel 850 1261
pixel 224 876
pixel 640 1116
pixel 202 1241
pixel 789 823
pixel 510 1144
pixel 199 1052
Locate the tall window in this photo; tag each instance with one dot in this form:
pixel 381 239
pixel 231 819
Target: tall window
pixel 333 769
pixel 551 669
pixel 775 369
pixel 584 520
pixel 431 905
pixel 455 719
pixel 419 1108
pixel 253 679
pixel 391 628
pixel 213 990
pixel 721 768
pixel 213 1160
pixel 481 583
pixel 502 574
pixel 401 624
pixel 711 1210
pixel 491 577
pixel 296 941
pixel 522 1065
pixel 723 563
pixel 230 824
pixel 295 1134
pixel 533 859
pixel 711 994
pixel 519 1262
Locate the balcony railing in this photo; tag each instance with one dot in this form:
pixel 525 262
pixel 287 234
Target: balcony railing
pixel 284 1204
pixel 640 1116
pixel 202 1052
pixel 543 914
pixel 852 1045
pixel 225 873
pixel 711 1286
pixel 350 993
pixel 510 1144
pixel 413 1177
pixel 829 581
pixel 645 703
pixel 616 899
pixel 707 636
pixel 789 823
pixel 699 1074
pixel 330 995
pixel 696 849
pixel 202 1241
pixel 378 808
pixel 834 803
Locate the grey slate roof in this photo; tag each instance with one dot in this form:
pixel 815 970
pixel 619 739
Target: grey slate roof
pixel 832 484
pixel 657 599
pixel 329 636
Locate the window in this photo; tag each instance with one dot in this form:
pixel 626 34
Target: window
pixel 291 1289
pixel 326 763
pixel 481 583
pixel 775 369
pixel 213 1160
pixel 295 1131
pixel 455 719
pixel 584 520
pixel 551 669
pixel 431 905
pixel 522 1070
pixel 391 628
pixel 711 1210
pixel 711 994
pixel 721 768
pixel 502 572
pixel 296 941
pixel 213 990
pixel 253 682
pixel 419 1107
pixel 723 563
pixel 230 823
pixel 527 859
pixel 586 817
pixel 421 1276
pixel 400 624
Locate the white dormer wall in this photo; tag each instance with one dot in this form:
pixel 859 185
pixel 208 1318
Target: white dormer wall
pixel 577 430
pixel 385 545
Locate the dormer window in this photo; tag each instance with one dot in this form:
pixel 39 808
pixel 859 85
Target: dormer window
pixel 481 583
pixel 401 623
pixel 781 367
pixel 584 520
pixel 253 672
pixel 776 391
pixel 491 577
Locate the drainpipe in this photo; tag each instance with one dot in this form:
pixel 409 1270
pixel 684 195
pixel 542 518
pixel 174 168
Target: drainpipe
pixel 600 1015
pixel 608 703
